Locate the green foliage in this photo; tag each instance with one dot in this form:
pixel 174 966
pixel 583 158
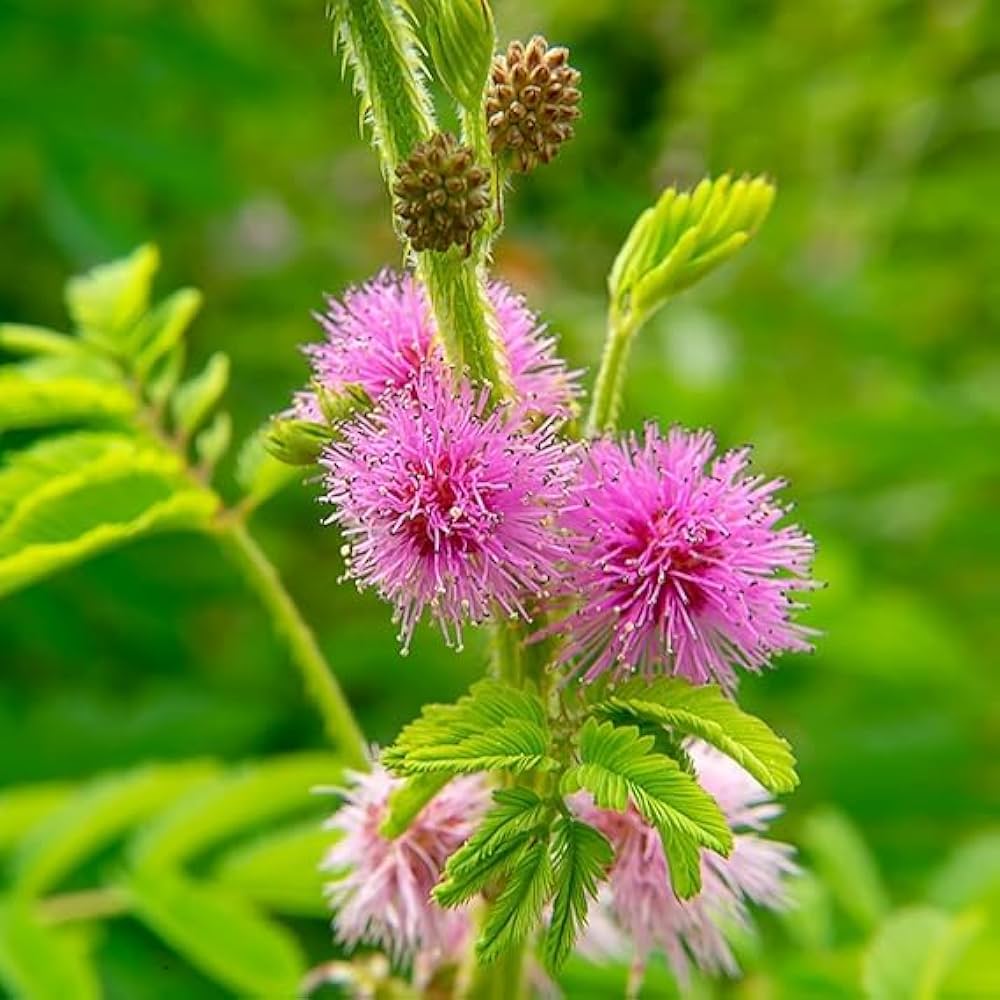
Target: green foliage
pixel 41 963
pixel 912 952
pixel 971 875
pixel 195 399
pixel 682 238
pixel 23 808
pixel 220 933
pixel 704 711
pixel 518 908
pixel 515 822
pixel 617 765
pixel 582 857
pixel 406 802
pixel 844 860
pixel 494 727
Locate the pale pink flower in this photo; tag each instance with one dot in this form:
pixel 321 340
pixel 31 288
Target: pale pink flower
pixel 680 564
pixel 641 901
pixel 448 503
pixel 381 888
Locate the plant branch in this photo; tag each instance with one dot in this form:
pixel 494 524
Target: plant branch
pixel 605 404
pixel 89 904
pixel 322 686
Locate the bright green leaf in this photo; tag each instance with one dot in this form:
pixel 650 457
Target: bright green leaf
pixel 195 399
pixel 912 952
pixel 406 802
pixel 280 871
pixel 581 856
pixel 971 874
pixel 94 816
pixel 25 807
pixel 160 330
pixel 109 300
pixel 704 711
pixel 220 934
pixel 211 443
pixel 21 338
pixel 240 800
pixel 40 963
pixel 28 400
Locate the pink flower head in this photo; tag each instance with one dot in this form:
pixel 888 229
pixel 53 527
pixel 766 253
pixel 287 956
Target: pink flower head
pixel 641 901
pixel 679 562
pixel 447 503
pixel 383 333
pixel 381 892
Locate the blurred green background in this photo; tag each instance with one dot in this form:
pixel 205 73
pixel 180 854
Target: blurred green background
pixel 855 344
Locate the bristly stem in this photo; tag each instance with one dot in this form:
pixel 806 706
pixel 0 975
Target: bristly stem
pixel 320 682
pixel 605 405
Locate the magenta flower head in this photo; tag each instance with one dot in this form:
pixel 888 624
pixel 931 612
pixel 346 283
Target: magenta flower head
pixel 641 901
pixel 383 333
pixel 449 504
pixel 679 563
pixel 381 888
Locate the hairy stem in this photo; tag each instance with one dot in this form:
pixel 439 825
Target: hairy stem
pixel 606 401
pixel 320 682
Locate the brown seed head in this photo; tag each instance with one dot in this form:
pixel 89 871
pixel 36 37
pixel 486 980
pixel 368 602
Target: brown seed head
pixel 442 194
pixel 532 102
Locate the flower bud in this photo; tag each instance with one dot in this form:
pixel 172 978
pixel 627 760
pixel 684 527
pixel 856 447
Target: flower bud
pixel 460 37
pixel 442 194
pixel 532 101
pixel 296 442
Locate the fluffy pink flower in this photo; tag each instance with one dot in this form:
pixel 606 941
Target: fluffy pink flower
pixel 679 563
pixel 447 503
pixel 381 892
pixel 383 333
pixel 641 901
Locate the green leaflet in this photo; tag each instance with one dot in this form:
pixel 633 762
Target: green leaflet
pixel 617 766
pixel 518 817
pixel 109 300
pixel 406 802
pixel 494 727
pixel 845 863
pixel 29 400
pixel 236 801
pixel 39 963
pixel 518 908
pixel 219 933
pixel 23 808
pixel 195 399
pixel 705 712
pixel 62 519
pixel 259 473
pixel 912 952
pixel 161 329
pixel 93 817
pixel 581 856
pixel 23 338
pixel 970 875
pixel 280 871
pixel 213 442
pixel 683 237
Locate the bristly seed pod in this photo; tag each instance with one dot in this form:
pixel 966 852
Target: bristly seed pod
pixel 532 100
pixel 442 194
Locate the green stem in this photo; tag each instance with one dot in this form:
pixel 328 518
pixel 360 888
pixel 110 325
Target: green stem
pixel 606 402
pixel 320 682
pixel 88 904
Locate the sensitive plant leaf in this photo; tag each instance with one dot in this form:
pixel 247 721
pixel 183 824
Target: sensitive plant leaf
pixel 912 952
pixel 195 399
pixel 118 496
pixel 25 807
pixel 843 860
pixel 518 816
pixel 242 799
pixel 406 802
pixel 617 766
pixel 93 817
pixel 683 237
pixel 494 727
pixel 280 871
pixel 704 711
pixel 580 859
pixel 213 442
pixel 516 912
pixel 109 300
pixel 219 933
pixel 29 400
pixel 39 962
pixel 161 329
pixel 166 375
pixel 23 338
pixel 259 473
pixel 970 875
